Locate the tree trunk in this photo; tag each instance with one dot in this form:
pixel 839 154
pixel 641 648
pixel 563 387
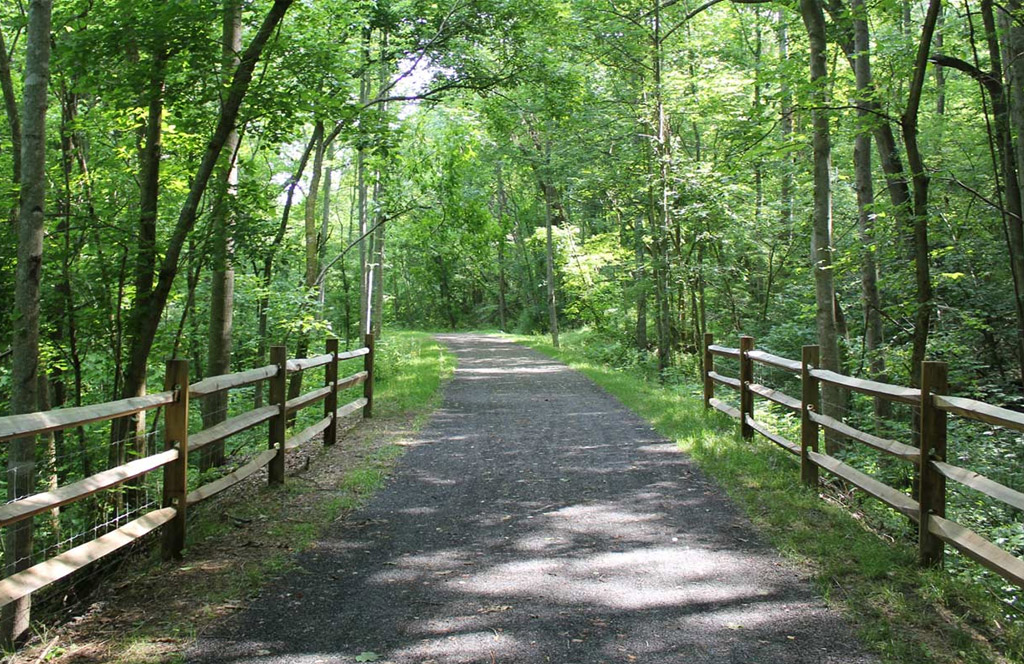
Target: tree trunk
pixel 502 304
pixel 940 71
pixel 377 285
pixel 662 226
pixel 1013 45
pixel 13 120
pixel 361 194
pixel 866 203
pixel 148 311
pixel 222 276
pixel 640 283
pixel 549 256
pixel 21 458
pixel 1013 32
pixel 325 227
pixel 922 276
pixel 309 217
pixel 821 234
pixel 133 429
pixel 885 140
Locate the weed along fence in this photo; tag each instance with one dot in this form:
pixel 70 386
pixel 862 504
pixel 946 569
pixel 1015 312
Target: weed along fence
pixel 930 466
pixel 173 488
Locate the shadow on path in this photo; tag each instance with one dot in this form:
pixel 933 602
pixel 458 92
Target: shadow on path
pixel 536 519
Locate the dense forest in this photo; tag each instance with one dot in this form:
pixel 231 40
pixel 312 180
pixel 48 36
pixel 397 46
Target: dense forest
pixel 203 179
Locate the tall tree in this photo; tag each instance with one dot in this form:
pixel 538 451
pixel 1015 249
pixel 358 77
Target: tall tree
pixel 222 276
pixel 147 310
pixel 21 459
pixel 920 178
pixel 864 185
pixel 13 119
pixel 821 233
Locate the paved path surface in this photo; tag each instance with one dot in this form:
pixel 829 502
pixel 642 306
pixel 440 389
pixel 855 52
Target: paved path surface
pixel 538 521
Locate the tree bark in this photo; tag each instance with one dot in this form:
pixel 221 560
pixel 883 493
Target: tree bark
pixel 21 458
pixel 222 274
pixel 13 119
pixel 502 305
pixel 325 226
pixel 885 139
pixel 549 256
pixel 1013 34
pixel 866 202
pixel 662 224
pixel 640 283
pixel 1013 148
pixel 922 276
pixel 821 234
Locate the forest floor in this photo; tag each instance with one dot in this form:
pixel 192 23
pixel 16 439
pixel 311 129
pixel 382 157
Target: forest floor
pixel 536 519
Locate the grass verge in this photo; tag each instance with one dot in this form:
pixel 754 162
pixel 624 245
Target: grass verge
pixel 906 614
pixel 149 611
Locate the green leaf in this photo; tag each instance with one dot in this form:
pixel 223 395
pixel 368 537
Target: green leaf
pixel 367 656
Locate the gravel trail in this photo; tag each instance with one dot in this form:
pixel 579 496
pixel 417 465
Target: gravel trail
pixel 536 519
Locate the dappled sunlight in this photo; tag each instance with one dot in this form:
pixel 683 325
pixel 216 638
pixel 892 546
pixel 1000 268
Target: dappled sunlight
pixel 632 580
pixel 419 511
pixel 479 646
pixel 605 519
pixel 537 520
pixel 659 448
pixel 455 624
pixel 433 479
pixel 503 371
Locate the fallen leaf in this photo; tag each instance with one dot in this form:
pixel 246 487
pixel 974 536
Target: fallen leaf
pixel 498 608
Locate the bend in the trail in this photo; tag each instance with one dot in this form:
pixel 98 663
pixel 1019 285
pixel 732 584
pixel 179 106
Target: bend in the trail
pixel 536 519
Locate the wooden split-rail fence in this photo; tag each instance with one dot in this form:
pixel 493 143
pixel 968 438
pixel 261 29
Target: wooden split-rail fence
pixel 933 405
pixel 178 445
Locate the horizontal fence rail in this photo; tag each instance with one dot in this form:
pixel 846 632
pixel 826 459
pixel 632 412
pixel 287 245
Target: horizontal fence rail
pixel 178 444
pixel 928 459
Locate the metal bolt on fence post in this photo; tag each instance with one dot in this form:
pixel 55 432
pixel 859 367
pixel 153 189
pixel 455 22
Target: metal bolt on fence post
pixel 279 398
pixel 331 402
pixel 368 361
pixel 810 397
pixel 176 472
pixel 709 366
pixel 932 488
pixel 746 378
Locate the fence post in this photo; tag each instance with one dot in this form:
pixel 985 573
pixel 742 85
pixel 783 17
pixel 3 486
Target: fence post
pixel 331 402
pixel 746 378
pixel 279 398
pixel 932 488
pixel 176 472
pixel 368 383
pixel 810 397
pixel 709 366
